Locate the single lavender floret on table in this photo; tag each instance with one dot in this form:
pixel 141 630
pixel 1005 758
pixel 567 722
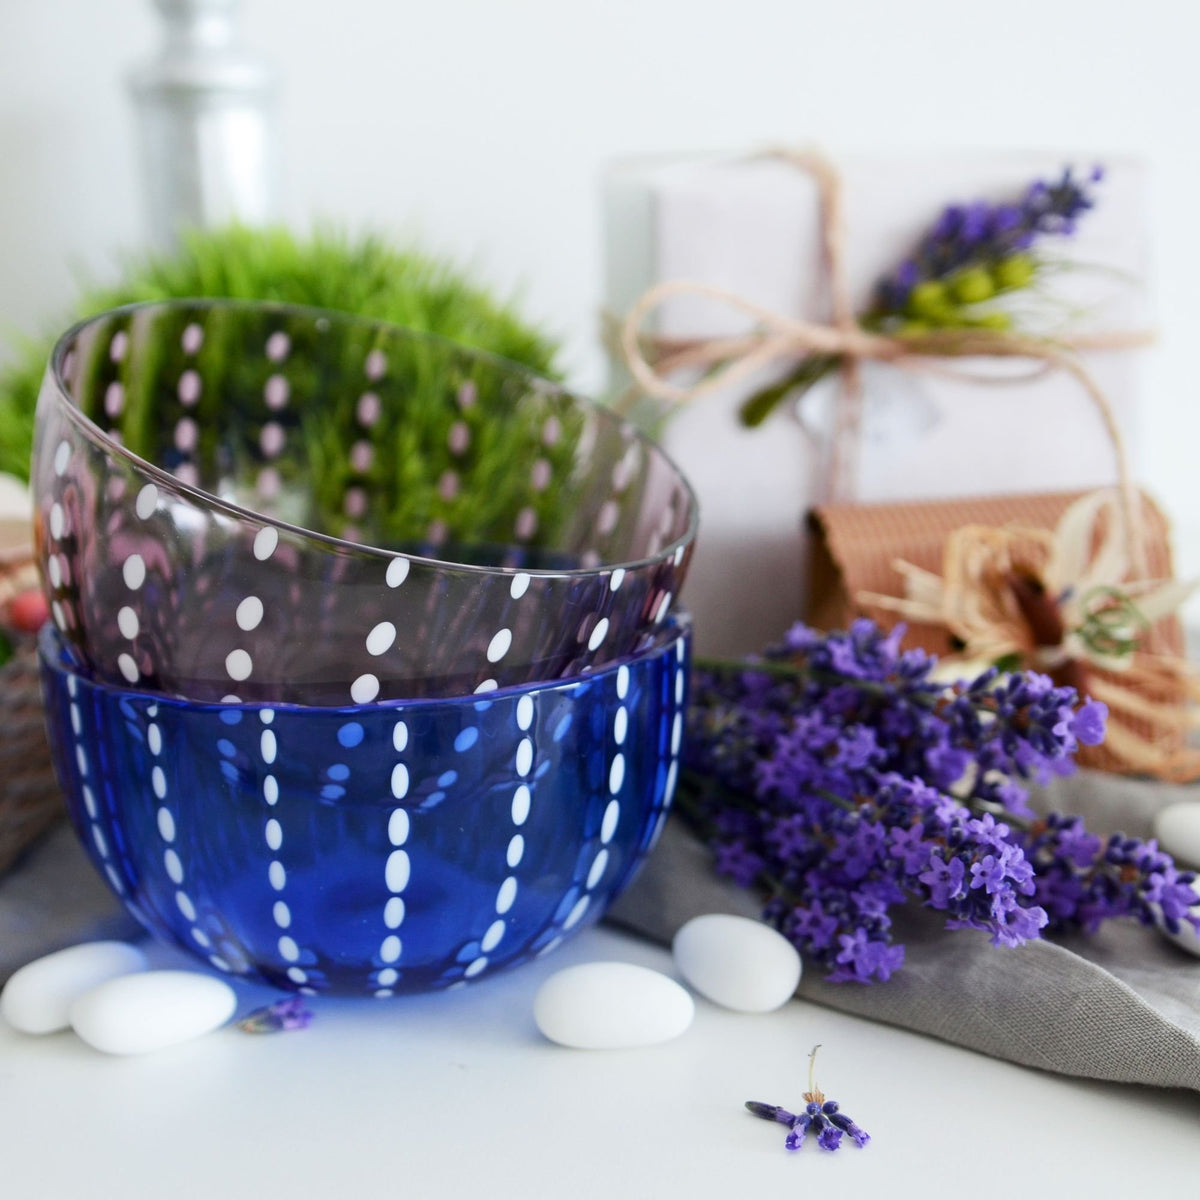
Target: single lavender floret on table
pixel 820 1116
pixel 840 778
pixel 282 1016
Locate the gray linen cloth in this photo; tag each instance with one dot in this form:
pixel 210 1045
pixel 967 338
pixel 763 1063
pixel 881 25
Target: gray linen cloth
pixel 1123 1005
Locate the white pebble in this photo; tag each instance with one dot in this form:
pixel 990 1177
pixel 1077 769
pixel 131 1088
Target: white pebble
pixel 737 962
pixel 151 1011
pixel 38 997
pixel 611 1006
pixel 1177 828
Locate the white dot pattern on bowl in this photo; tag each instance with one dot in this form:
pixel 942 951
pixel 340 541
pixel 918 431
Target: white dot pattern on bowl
pixel 114 399
pixel 598 634
pixel 499 645
pixel 606 518
pixel 268 483
pixel 88 793
pixel 354 505
pixel 522 802
pixel 368 410
pixel 676 744
pixel 397 870
pixel 539 474
pixel 189 388
pixel 526 524
pixel 249 614
pixel 286 945
pixel 147 502
pixel 239 665
pixel 271 439
pixel 381 639
pixel 611 816
pixel 376 365
pixel 397 572
pixel 192 339
pixel 265 542
pixel 277 392
pixel 165 822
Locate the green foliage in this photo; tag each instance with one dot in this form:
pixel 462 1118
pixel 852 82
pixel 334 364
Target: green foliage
pixel 367 276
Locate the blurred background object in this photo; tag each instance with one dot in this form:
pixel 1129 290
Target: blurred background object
pixel 485 127
pixel 204 124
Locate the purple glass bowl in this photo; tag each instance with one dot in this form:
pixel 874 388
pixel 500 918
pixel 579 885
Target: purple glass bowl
pixel 285 504
pixel 377 849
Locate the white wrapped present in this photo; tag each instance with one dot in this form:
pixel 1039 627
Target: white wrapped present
pixel 753 226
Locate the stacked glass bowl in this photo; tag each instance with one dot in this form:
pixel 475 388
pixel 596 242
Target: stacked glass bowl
pixel 363 673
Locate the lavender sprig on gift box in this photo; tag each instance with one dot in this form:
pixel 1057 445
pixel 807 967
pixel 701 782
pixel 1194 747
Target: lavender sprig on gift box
pixel 841 779
pixel 958 276
pixel 975 252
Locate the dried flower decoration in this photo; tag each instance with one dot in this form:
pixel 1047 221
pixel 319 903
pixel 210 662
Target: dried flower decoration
pixel 280 1017
pixel 1062 601
pixel 824 1117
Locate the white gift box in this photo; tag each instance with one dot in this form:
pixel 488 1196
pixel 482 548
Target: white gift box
pixel 753 226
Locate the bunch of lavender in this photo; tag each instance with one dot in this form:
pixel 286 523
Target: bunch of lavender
pixel 973 254
pixel 839 778
pixel 976 251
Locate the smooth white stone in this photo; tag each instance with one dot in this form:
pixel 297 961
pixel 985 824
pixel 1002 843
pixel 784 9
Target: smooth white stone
pixel 1177 828
pixel 611 1006
pixel 737 962
pixel 151 1011
pixel 38 997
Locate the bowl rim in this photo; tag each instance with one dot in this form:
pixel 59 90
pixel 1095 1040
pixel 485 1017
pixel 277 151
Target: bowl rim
pixel 205 500
pixel 676 632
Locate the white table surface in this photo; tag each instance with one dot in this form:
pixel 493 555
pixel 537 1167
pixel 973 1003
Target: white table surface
pixel 457 1095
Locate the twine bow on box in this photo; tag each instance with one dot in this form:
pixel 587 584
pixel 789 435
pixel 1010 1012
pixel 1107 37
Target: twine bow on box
pixel 1076 602
pixel 723 362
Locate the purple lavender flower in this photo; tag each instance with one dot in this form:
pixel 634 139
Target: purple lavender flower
pixel 820 1116
pixel 279 1017
pixel 987 234
pixel 1088 723
pixel 821 776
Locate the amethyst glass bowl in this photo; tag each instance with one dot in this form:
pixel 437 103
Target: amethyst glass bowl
pixel 281 504
pixel 376 849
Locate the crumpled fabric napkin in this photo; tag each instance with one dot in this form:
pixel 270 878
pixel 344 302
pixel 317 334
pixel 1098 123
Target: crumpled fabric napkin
pixel 1122 1005
pixel 54 898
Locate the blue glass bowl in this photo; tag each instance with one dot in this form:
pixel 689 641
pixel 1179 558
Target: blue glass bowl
pixel 380 849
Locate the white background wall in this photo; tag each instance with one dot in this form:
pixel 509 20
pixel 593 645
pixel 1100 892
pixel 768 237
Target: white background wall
pixel 482 125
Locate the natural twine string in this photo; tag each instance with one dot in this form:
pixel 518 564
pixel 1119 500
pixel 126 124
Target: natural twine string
pixel 727 361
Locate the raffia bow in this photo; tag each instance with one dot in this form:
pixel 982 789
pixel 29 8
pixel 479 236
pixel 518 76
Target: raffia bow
pixel 723 362
pixel 1061 601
